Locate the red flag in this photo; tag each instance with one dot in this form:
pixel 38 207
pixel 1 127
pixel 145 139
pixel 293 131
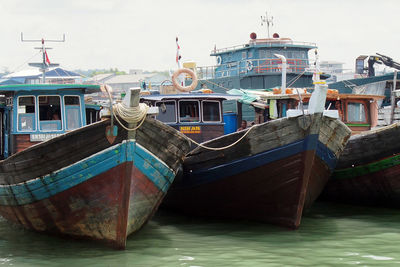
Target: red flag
pixel 47 58
pixel 178 56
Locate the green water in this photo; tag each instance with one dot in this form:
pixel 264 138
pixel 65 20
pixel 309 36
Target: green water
pixel 329 235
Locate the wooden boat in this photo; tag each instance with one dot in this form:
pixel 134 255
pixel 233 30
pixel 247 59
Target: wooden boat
pixel 268 172
pixel 99 181
pixel 368 170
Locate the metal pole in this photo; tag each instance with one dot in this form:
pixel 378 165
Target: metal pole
pixel 392 97
pixel 44 62
pixel 283 59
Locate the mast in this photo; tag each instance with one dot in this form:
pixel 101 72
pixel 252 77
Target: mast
pixel 265 20
pixel 45 64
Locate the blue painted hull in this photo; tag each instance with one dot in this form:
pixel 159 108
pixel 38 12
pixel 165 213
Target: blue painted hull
pixel 239 166
pixel 104 196
pixel 272 185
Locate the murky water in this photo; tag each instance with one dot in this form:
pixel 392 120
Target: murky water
pixel 329 235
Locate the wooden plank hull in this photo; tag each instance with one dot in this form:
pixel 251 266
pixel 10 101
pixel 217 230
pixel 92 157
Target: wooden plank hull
pixel 103 195
pixel 368 171
pixel 270 176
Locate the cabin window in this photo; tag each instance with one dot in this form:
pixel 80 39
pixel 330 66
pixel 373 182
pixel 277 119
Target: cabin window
pixel 250 55
pixel 167 111
pixel 50 113
pixel 26 113
pixel 211 111
pixel 262 53
pixel 244 55
pixel 72 112
pixel 356 112
pixel 189 111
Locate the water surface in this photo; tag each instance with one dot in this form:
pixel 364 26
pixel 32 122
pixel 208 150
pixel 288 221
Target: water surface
pixel 329 235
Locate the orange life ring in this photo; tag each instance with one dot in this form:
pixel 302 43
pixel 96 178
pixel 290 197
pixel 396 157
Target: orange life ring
pixel 181 88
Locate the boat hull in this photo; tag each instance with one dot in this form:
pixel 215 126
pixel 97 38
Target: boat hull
pixel 105 196
pixel 369 171
pixel 286 174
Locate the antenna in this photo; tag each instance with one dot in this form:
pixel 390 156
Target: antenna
pixel 45 64
pixel 265 20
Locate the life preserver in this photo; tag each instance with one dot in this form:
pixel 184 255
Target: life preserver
pixel 219 60
pixel 181 88
pixel 249 65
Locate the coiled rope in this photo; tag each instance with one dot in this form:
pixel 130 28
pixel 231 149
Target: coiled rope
pixel 129 114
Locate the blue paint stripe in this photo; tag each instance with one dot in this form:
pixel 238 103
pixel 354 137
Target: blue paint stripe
pixel 158 173
pixel 49 185
pixel 71 175
pixel 197 177
pixel 326 155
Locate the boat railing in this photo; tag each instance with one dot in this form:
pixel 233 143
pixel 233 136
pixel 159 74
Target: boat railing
pixel 263 43
pixel 206 72
pixel 252 67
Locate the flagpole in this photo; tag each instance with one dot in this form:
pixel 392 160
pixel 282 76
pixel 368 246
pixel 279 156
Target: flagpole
pixel 178 61
pixel 45 65
pixel 44 53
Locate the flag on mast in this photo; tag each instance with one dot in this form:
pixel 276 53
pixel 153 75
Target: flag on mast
pixel 47 58
pixel 178 55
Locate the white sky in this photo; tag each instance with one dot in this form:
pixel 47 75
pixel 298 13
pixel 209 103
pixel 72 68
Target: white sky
pixel 128 34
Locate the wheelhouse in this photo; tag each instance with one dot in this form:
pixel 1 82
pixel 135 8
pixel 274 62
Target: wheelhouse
pixel 200 116
pixel 38 112
pixel 358 112
pixel 255 65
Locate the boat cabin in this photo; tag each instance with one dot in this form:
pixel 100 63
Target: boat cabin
pixel 358 112
pixel 32 113
pixel 197 115
pixel 255 65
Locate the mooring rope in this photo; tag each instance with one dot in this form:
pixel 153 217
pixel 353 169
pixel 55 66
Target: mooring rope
pixel 224 147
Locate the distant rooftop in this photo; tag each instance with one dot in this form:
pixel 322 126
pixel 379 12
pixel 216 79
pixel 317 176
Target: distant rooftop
pixel 52 73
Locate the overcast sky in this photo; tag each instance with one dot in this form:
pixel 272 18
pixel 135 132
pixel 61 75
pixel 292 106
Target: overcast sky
pixel 129 34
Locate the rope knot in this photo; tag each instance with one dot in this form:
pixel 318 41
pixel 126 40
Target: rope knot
pixel 131 115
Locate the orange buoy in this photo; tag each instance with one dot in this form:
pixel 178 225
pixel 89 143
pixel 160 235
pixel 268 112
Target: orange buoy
pixel 277 91
pixel 289 91
pixel 333 91
pixel 206 91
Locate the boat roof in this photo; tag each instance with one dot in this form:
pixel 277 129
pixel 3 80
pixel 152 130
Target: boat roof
pixel 266 43
pixel 329 96
pixel 346 86
pixel 87 88
pixel 191 96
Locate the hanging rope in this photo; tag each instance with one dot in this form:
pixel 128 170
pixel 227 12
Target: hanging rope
pixel 23 64
pixel 220 86
pixel 224 147
pixel 295 79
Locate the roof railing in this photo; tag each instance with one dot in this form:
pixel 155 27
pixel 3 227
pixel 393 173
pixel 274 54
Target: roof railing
pixel 263 43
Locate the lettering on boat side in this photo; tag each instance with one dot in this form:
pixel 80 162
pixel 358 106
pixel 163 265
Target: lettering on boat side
pixel 42 137
pixel 190 129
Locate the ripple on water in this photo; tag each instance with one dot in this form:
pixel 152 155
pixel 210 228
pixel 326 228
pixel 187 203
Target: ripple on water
pixel 329 235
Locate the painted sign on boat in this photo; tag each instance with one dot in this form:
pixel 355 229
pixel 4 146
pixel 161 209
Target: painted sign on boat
pixel 190 129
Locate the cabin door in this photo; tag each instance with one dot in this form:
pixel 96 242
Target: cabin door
pixel 3 133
